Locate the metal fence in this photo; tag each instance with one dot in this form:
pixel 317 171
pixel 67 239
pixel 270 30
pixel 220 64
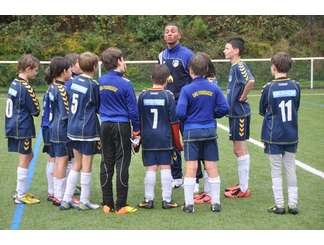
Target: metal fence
pixel 308 70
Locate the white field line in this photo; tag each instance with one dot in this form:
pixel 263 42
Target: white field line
pixel 298 163
pixel 258 95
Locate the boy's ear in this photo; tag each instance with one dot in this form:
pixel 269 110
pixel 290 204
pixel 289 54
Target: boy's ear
pixel 28 68
pixel 236 51
pixel 191 73
pixel 273 68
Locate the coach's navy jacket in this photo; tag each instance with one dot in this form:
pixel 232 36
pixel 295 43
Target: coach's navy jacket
pixel 200 103
pixel 279 104
pixel 59 109
pixel 117 99
pixel 177 59
pixel 83 122
pixel 239 75
pixel 22 105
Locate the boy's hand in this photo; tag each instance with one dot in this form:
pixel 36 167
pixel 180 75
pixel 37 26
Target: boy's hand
pixel 136 143
pixel 243 98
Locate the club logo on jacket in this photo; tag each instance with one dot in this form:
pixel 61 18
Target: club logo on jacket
pixel 175 63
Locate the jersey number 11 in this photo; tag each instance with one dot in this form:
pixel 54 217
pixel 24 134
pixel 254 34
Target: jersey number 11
pixel 282 106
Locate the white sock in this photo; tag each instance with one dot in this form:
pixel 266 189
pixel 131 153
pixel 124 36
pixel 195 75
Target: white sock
pixel 85 187
pixel 67 172
pixel 55 186
pixel 215 189
pixel 292 195
pixel 71 183
pixel 188 187
pixel 64 184
pixel 68 168
pixel 275 161
pixel 278 192
pixel 58 188
pixel 206 183
pixel 243 163
pixel 149 185
pixel 50 180
pixel 166 183
pixel 22 174
pixel 290 166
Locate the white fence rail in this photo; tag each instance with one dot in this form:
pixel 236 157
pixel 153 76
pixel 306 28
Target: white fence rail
pixel 311 59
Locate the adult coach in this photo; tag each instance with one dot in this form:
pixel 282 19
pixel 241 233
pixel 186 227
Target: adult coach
pixel 177 58
pixel 118 111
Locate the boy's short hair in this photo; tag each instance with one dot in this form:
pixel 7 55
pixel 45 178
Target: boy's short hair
pixel 26 61
pixel 282 61
pixel 110 57
pixel 199 64
pixel 238 43
pixel 88 61
pixel 160 74
pixel 173 24
pixel 211 73
pixel 72 58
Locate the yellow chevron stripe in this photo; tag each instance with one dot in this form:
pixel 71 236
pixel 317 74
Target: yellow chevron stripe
pixel 170 79
pixel 63 94
pixel 241 125
pixel 26 144
pixel 241 134
pixel 241 120
pixel 32 94
pixel 99 145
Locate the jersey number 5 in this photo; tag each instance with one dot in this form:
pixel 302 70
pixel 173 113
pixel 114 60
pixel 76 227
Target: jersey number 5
pixel 285 117
pixel 155 118
pixel 74 105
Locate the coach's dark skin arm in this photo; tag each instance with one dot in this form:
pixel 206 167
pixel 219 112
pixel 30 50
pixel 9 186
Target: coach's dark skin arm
pixel 246 90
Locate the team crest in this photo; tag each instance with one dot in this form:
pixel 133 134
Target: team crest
pixel 175 63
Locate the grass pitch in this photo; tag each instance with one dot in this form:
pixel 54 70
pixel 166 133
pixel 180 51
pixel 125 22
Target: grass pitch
pixel 236 214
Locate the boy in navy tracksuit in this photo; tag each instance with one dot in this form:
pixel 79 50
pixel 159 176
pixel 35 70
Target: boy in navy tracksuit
pixel 119 122
pixel 21 106
pixel 59 73
pixel 83 131
pixel 158 121
pixel 279 104
pixel 199 104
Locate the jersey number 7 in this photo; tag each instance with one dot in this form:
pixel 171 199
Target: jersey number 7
pixel 155 117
